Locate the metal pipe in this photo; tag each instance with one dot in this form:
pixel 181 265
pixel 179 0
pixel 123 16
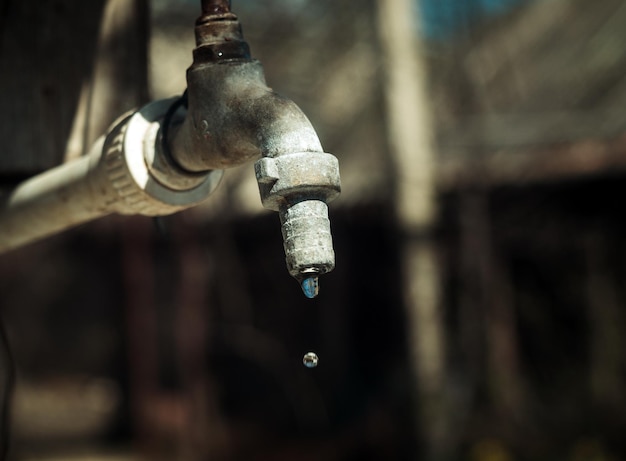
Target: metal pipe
pixel 122 173
pixel 215 6
pixel 51 202
pixel 234 118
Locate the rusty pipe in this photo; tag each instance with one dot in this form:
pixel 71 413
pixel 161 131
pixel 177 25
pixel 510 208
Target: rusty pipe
pixel 210 7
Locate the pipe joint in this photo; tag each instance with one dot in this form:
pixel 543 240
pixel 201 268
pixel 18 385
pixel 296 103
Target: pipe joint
pixel 233 118
pixel 144 180
pixel 290 178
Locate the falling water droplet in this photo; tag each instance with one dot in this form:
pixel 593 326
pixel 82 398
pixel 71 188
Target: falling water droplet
pixel 310 287
pixel 310 360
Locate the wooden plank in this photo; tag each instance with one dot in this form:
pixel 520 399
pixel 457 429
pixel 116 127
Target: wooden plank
pixel 412 153
pixel 46 52
pixel 529 130
pixel 52 54
pixel 593 157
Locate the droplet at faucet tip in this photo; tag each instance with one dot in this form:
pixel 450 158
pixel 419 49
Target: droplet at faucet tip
pixel 310 287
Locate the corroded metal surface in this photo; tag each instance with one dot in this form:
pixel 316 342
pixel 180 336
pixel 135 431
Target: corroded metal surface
pixel 234 118
pixel 215 6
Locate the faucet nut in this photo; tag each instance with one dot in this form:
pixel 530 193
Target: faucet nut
pixel 299 185
pixel 266 171
pixel 290 178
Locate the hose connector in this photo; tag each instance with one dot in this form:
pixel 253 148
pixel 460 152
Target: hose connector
pixel 138 172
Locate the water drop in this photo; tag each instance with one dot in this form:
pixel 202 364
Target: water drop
pixel 310 287
pixel 310 360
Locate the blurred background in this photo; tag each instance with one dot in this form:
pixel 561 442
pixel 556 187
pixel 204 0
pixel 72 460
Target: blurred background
pixel 477 308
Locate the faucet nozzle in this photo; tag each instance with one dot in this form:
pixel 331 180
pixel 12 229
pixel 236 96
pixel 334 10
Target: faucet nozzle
pixel 299 186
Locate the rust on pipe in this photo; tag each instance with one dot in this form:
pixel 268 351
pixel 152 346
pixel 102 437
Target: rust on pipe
pixel 210 7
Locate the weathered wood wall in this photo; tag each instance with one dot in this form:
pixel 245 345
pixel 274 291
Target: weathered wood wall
pixel 67 69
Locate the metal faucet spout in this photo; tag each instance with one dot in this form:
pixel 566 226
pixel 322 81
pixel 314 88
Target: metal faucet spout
pixel 233 118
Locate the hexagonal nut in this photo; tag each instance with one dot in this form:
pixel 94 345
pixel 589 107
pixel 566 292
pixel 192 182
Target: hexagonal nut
pixel 298 176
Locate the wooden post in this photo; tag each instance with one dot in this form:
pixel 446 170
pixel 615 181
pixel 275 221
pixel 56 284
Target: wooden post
pixel 487 310
pixel 605 316
pixel 413 156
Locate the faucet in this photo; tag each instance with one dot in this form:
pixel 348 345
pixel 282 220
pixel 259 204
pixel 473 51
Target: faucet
pixel 170 155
